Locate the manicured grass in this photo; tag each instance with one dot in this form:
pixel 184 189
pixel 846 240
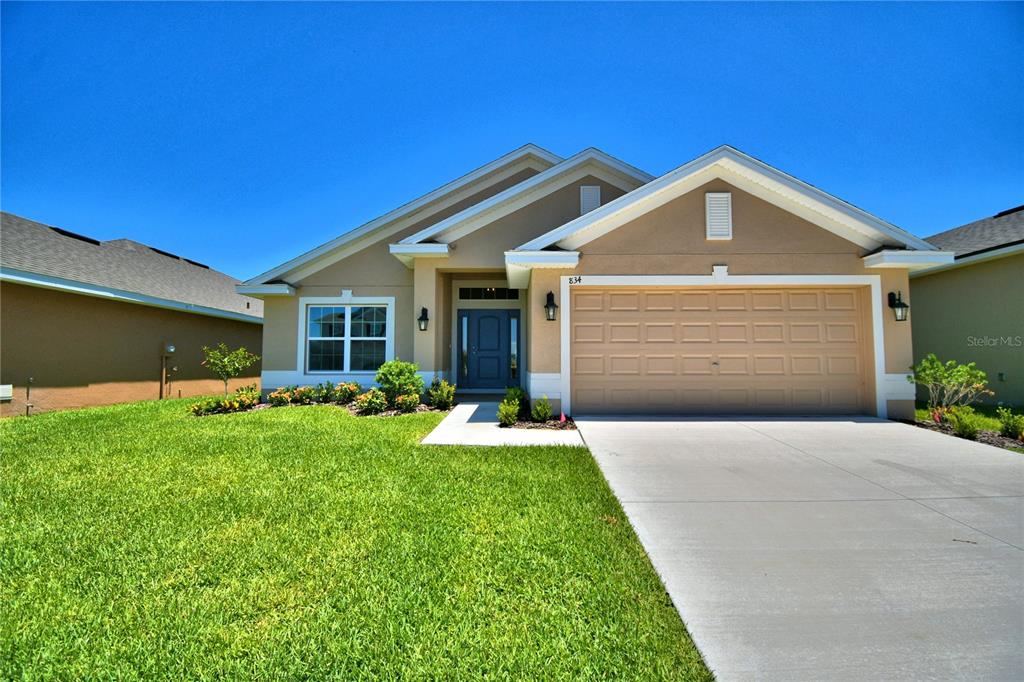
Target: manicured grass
pixel 136 541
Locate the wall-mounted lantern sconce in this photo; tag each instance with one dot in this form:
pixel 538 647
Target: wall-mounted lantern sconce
pixel 169 349
pixel 423 319
pixel 550 308
pixel 899 308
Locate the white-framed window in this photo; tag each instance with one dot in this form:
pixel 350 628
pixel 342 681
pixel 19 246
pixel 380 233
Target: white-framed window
pixel 590 198
pixel 346 335
pixel 718 209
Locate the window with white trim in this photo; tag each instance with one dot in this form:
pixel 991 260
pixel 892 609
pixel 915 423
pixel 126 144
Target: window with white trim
pixel 590 198
pixel 718 207
pixel 346 338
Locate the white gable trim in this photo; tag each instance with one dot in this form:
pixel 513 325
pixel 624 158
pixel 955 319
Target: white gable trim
pixel 518 264
pixel 529 156
pixel 910 260
pixel 748 174
pixel 589 162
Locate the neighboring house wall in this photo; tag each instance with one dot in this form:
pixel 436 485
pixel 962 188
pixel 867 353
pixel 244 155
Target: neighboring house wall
pixel 671 240
pixel 975 313
pixel 84 351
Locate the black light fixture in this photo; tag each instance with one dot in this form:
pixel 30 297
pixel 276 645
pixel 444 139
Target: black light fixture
pixel 899 308
pixel 550 308
pixel 423 319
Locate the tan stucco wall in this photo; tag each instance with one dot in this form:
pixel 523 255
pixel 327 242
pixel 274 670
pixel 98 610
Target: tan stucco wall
pixel 671 240
pixel 83 351
pixel 975 313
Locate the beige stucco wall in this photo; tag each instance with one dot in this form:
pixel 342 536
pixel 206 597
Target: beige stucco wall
pixel 670 240
pixel 975 313
pixel 82 351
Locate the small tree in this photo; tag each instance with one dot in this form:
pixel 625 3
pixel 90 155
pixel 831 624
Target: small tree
pixel 949 384
pixel 228 364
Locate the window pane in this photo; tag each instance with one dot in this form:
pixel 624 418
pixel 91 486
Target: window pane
pixel 369 321
pixel 367 355
pixel 326 321
pixel 326 356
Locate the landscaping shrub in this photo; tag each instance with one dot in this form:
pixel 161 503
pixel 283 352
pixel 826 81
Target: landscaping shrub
pixel 323 393
pixel 949 384
pixel 346 392
pixel 964 421
pixel 303 395
pixel 244 398
pixel 397 378
pixel 372 402
pixel 1010 425
pixel 407 403
pixel 541 411
pixel 281 397
pixel 508 412
pixel 441 394
pixel 519 395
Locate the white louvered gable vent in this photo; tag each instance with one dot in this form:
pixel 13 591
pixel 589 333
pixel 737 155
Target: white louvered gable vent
pixel 719 215
pixel 590 198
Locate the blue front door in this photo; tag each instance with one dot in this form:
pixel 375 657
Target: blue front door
pixel 488 348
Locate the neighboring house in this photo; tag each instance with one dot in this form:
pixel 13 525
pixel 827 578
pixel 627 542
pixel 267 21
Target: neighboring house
pixel 972 310
pixel 723 286
pixel 84 322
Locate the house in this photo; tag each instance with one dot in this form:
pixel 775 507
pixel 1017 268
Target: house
pixel 85 322
pixel 723 286
pixel 972 310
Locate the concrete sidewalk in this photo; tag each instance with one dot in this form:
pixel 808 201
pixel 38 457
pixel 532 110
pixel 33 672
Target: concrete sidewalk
pixel 828 549
pixel 476 423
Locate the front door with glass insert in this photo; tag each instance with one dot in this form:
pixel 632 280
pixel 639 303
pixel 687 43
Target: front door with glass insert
pixel 488 349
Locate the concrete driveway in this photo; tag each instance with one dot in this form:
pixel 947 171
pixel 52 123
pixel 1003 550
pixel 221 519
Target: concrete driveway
pixel 828 548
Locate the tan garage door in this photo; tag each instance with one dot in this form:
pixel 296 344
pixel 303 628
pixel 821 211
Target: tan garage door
pixel 663 350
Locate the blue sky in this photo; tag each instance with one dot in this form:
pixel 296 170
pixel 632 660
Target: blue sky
pixel 243 134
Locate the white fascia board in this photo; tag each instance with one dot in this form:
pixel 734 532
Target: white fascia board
pixel 519 264
pixel 259 290
pixel 85 289
pixel 748 174
pixel 972 259
pixel 527 156
pixel 408 253
pixel 910 260
pixel 588 162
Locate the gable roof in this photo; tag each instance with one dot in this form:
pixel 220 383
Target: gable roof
pixel 529 155
pixel 748 174
pixel 1003 229
pixel 34 253
pixel 590 161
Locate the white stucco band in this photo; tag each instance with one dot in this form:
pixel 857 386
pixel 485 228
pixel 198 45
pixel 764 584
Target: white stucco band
pixel 887 386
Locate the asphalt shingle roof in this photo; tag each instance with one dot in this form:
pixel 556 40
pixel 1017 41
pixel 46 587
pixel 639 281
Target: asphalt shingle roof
pixel 120 264
pixel 1001 229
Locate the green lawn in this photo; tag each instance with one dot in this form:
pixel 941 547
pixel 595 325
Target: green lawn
pixel 136 541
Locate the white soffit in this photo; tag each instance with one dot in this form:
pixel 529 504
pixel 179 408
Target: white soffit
pixel 407 253
pixel 908 260
pixel 518 264
pixel 748 174
pixel 528 156
pixel 589 162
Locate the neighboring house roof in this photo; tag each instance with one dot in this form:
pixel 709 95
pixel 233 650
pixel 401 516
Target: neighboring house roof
pixel 529 155
pixel 119 269
pixel 1002 229
pixel 747 173
pixel 587 162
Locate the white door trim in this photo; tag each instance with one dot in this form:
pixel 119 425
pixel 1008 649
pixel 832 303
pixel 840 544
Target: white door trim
pixel 721 278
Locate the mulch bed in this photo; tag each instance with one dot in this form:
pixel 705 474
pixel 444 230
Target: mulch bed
pixel 552 424
pixel 984 436
pixel 390 413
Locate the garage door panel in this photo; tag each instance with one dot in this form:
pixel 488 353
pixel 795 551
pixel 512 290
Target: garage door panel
pixel 687 351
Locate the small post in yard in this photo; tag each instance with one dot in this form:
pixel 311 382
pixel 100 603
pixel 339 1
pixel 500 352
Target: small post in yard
pixel 28 396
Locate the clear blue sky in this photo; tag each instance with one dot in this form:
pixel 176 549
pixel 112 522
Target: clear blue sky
pixel 243 134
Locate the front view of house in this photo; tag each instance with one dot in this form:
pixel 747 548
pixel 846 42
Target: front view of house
pixel 724 286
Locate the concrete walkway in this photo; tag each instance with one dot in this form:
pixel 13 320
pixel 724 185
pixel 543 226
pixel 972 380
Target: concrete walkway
pixel 828 549
pixel 476 423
